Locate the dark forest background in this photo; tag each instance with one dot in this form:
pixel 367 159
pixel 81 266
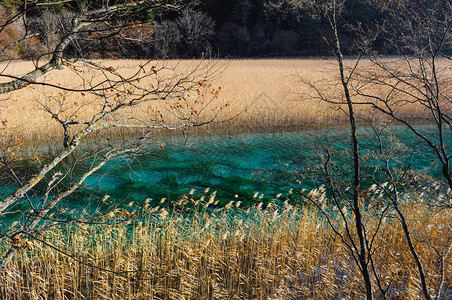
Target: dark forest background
pixel 218 28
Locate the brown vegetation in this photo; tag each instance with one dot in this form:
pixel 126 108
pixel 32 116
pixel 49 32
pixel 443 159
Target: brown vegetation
pixel 259 94
pixel 282 252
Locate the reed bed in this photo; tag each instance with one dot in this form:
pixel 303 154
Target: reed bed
pixel 259 95
pixel 280 252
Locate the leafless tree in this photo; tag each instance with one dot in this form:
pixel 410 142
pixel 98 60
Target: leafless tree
pixel 189 34
pixel 360 247
pixel 415 85
pixel 113 93
pixel 396 88
pixel 196 28
pixel 418 79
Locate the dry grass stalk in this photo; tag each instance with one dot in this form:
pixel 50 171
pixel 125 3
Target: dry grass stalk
pixel 275 253
pixel 260 94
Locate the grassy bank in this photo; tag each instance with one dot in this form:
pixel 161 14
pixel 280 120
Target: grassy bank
pixel 259 94
pixel 282 252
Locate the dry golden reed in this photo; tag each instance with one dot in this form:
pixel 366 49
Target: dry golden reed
pixel 259 94
pixel 281 252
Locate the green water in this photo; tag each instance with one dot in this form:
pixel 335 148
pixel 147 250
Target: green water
pixel 231 165
pixel 243 164
pixel 240 164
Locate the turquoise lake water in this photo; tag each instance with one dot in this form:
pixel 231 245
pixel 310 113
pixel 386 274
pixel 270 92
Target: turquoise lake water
pixel 239 164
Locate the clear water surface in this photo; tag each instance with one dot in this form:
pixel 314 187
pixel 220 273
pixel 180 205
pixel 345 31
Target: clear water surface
pixel 238 164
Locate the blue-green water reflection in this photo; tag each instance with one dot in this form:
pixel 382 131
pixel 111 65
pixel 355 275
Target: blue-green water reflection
pixel 239 164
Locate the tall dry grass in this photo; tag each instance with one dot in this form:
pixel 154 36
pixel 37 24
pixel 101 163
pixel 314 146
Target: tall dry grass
pixel 282 252
pixel 261 94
